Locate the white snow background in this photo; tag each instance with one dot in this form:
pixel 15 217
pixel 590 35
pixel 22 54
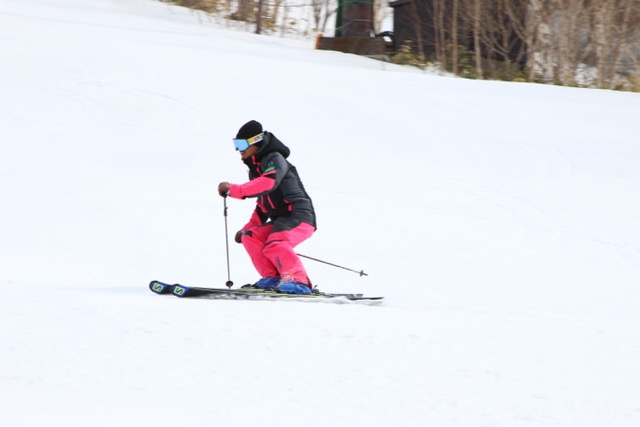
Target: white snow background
pixel 500 220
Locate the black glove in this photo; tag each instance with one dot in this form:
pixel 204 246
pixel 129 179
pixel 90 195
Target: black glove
pixel 239 235
pixel 223 189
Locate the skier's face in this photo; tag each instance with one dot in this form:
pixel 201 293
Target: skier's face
pixel 253 149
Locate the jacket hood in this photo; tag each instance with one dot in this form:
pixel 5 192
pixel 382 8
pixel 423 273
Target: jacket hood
pixel 272 144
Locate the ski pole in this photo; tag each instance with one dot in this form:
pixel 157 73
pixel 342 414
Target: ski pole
pixel 229 283
pixel 361 272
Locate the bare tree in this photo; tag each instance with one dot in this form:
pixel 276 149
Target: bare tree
pixel 455 51
pixel 477 28
pixel 419 38
pixel 504 36
pixel 613 33
pixel 540 40
pixel 440 30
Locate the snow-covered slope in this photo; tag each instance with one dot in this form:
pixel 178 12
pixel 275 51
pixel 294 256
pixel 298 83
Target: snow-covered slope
pixel 499 220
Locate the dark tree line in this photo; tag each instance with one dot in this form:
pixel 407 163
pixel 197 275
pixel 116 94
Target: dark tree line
pixel 568 42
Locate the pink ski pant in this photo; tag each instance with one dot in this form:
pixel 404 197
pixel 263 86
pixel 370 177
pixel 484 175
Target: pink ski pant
pixel 272 254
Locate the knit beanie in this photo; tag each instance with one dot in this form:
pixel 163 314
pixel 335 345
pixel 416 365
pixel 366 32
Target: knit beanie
pixel 249 130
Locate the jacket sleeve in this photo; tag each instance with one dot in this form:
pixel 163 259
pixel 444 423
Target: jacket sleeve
pixel 273 169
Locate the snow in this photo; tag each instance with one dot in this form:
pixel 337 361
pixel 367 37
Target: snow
pixel 499 220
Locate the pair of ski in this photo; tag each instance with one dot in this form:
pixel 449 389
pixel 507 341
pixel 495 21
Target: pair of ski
pixel 182 291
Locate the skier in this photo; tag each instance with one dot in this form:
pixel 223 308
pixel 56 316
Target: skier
pixel 284 216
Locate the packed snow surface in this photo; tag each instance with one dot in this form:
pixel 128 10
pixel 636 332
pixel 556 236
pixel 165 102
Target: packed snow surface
pixel 501 221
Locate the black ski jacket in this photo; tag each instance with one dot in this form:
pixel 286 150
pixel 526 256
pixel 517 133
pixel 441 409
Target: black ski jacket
pixel 278 188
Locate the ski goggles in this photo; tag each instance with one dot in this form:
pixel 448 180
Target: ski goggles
pixel 243 144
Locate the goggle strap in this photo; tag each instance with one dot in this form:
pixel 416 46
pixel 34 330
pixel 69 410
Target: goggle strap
pixel 259 137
